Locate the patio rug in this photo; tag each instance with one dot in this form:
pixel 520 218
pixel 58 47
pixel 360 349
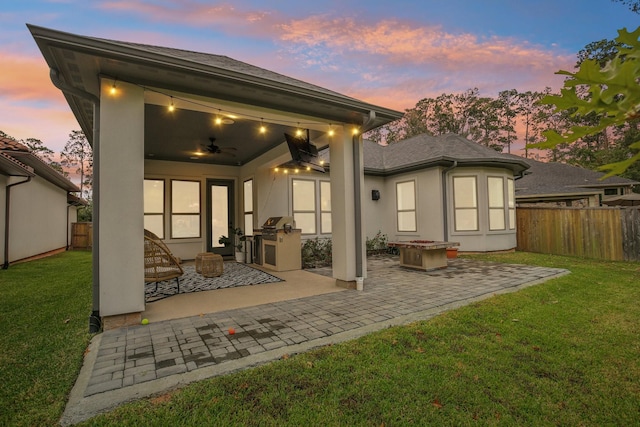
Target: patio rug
pixel 235 274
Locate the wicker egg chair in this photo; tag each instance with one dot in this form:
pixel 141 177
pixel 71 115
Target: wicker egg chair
pixel 155 237
pixel 159 263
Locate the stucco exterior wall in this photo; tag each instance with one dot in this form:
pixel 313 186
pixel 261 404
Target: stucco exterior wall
pixel 38 219
pixel 4 180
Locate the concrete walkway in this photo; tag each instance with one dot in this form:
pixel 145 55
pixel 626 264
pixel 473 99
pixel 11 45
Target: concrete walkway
pixel 134 362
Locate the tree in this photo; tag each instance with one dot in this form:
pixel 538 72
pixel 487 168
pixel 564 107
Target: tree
pixel 634 5
pixel 612 100
pixel 77 154
pixel 37 147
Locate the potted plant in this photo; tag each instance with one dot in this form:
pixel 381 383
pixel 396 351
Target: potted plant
pixel 239 239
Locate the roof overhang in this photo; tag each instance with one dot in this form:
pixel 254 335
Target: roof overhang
pixel 12 167
pixel 514 165
pixel 82 61
pixel 45 171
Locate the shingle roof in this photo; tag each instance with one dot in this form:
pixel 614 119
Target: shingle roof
pixel 225 63
pixel 426 150
pixel 559 178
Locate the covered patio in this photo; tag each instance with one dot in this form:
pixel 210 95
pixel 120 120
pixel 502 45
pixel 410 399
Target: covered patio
pixel 203 133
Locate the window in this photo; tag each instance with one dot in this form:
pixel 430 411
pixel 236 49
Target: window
pixel 185 209
pixel 610 191
pixel 304 205
pixel 325 207
pixel 465 203
pixel 154 206
pixel 248 207
pixel 495 189
pixel 511 194
pixel 406 205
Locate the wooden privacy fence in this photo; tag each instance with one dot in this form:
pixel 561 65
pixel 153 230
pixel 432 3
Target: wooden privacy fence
pixel 81 235
pixel 602 233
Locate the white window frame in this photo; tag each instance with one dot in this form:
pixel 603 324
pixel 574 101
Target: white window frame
pixel 247 210
pixel 325 186
pixel 511 203
pixel 313 211
pixel 403 210
pixel 470 207
pixel 175 213
pixel 161 213
pixel 499 210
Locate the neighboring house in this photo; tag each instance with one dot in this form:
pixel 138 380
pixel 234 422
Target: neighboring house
pixel 37 207
pixel 559 184
pixel 444 188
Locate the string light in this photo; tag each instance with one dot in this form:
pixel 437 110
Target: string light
pixel 113 90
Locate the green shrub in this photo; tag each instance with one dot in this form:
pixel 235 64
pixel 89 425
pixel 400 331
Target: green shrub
pixel 316 253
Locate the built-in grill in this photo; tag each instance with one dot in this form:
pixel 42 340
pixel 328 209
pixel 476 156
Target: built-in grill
pixel 272 225
pixel 281 250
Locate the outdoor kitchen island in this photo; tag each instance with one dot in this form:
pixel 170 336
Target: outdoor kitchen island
pixel 423 254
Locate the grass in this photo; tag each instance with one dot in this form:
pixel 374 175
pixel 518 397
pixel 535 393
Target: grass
pixel 562 353
pixel 44 312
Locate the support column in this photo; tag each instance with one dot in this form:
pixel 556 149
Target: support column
pixel 343 208
pixel 121 205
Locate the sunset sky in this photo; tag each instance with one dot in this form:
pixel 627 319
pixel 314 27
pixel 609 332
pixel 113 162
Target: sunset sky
pixel 391 53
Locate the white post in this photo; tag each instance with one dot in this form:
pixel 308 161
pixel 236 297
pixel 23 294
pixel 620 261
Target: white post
pixel 121 216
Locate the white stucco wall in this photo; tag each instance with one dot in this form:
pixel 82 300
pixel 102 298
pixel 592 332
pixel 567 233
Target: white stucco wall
pixel 4 180
pixel 38 218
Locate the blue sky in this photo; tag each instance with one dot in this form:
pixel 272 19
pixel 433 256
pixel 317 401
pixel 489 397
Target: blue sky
pixel 388 53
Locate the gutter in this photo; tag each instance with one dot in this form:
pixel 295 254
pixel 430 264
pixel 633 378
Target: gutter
pixel 5 265
pixel 95 323
pixel 445 219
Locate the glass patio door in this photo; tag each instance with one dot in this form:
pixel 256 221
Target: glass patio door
pixel 220 214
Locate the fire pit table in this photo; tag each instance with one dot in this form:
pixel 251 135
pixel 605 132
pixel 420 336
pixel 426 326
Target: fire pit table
pixel 423 254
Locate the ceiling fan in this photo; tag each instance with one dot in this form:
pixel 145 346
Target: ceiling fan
pixel 212 148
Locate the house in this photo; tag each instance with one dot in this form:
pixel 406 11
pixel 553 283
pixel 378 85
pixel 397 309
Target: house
pixel 37 204
pixel 444 188
pixel 187 143
pixel 559 184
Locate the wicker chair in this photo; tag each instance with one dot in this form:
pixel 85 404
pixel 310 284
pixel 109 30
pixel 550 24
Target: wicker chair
pixel 155 237
pixel 159 263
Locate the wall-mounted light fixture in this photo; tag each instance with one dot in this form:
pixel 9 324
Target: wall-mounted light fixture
pixel 375 194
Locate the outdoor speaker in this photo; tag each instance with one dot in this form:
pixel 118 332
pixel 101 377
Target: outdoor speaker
pixel 375 194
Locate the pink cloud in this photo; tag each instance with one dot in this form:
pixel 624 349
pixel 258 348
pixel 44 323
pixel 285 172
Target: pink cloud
pixel 25 78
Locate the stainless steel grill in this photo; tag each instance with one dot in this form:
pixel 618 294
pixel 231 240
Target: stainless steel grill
pixel 272 225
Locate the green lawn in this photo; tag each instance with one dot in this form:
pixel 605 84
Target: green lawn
pixel 44 318
pixel 566 352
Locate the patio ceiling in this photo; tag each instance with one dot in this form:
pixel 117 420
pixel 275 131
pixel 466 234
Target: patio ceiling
pixel 202 87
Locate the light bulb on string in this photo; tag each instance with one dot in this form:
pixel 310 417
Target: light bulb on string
pixel 331 131
pixel 263 128
pixel 355 131
pixel 113 89
pixel 171 106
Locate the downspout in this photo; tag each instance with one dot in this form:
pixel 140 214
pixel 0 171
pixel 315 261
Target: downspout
pixel 6 221
pixel 95 323
pixel 357 189
pixel 445 211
